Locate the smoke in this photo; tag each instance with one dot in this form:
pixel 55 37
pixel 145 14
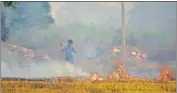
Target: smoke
pixel 52 34
pixel 43 70
pixel 129 6
pixel 14 65
pixel 69 23
pixel 47 41
pixel 54 7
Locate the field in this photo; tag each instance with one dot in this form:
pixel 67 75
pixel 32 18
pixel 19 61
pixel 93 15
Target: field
pixel 119 81
pixel 148 86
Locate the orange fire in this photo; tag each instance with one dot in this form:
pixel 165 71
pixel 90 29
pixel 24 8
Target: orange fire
pixel 166 74
pixel 95 78
pixel 122 73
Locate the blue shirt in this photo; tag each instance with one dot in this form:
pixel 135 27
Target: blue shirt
pixel 69 52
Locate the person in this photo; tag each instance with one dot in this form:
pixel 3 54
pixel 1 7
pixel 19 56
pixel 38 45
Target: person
pixel 69 51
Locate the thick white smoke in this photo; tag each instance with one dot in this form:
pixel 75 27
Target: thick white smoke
pixel 54 7
pixel 35 68
pixel 49 39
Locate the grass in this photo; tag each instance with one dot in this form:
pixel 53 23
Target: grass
pixel 85 87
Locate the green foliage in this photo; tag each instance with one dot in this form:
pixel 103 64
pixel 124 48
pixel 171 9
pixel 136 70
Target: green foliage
pixel 9 4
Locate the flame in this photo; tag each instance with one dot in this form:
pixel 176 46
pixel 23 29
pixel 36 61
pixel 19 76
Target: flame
pixel 95 78
pixel 122 73
pixel 116 50
pixel 166 74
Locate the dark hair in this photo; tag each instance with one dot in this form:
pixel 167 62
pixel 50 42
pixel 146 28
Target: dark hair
pixel 70 41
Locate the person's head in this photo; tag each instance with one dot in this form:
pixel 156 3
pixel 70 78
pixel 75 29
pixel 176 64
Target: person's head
pixel 70 42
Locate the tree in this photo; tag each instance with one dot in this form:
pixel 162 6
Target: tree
pixel 4 30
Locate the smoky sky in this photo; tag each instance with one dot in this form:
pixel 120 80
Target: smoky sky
pixel 42 25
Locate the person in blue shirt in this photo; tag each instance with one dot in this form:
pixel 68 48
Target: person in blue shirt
pixel 69 52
